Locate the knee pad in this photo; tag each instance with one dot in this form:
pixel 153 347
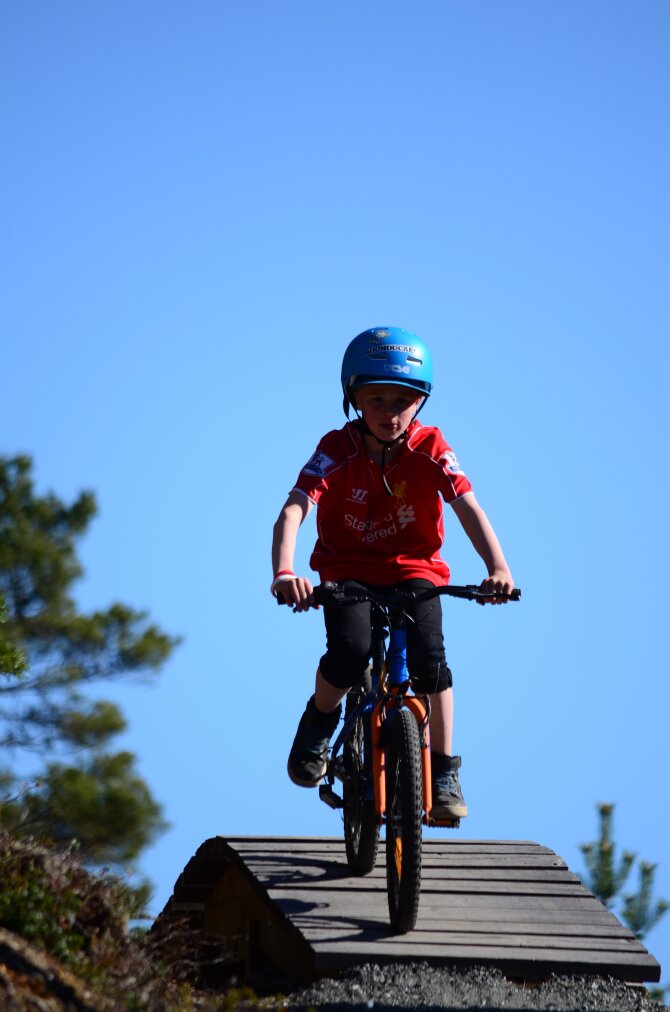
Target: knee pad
pixel 433 678
pixel 342 670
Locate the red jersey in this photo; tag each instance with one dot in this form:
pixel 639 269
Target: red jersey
pixel 363 532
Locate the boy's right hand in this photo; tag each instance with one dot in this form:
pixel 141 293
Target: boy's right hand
pixel 297 592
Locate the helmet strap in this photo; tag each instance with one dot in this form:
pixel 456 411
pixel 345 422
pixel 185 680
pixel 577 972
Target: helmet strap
pixel 385 449
pixel 386 445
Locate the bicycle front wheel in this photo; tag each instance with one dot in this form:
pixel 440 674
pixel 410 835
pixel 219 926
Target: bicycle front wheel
pixel 361 827
pixel 403 820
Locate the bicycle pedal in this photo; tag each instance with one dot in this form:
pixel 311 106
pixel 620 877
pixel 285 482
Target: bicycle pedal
pixel 327 794
pixel 444 823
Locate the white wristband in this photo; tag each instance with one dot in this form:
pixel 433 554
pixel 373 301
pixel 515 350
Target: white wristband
pixel 281 579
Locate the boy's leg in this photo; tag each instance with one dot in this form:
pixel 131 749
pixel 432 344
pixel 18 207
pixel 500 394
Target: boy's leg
pixel 442 721
pixel 345 661
pixel 430 675
pixel 308 757
pixel 448 800
pixel 327 697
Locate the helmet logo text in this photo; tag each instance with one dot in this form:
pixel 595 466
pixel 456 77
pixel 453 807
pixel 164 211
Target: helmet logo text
pixel 408 349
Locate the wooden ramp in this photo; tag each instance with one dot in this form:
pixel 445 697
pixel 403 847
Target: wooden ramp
pixel 292 903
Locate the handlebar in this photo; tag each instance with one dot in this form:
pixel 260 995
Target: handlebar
pixel 471 592
pixel 326 593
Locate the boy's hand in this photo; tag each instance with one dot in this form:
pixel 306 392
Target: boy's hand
pixel 500 582
pixel 297 592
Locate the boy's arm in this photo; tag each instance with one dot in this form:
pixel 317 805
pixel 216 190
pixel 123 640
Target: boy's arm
pixel 296 590
pixel 478 528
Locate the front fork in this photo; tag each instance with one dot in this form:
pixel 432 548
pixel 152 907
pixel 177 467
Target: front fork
pixel 383 712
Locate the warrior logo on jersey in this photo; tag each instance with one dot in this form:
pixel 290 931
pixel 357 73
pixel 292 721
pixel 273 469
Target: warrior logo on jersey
pixel 358 495
pixel 451 463
pixel 319 464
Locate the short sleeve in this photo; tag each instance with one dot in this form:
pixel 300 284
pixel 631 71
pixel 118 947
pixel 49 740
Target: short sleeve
pixel 313 478
pixel 454 482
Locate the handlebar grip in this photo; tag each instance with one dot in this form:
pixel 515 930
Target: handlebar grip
pixel 514 596
pixel 473 592
pixel 323 592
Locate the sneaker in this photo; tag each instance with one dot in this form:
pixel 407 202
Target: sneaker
pixel 448 800
pixel 308 758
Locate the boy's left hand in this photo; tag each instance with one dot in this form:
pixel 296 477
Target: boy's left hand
pixel 499 582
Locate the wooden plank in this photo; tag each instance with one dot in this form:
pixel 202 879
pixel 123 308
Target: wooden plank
pixel 515 936
pixel 454 887
pixel 486 920
pixel 504 861
pixel 496 874
pixel 337 875
pixel 335 932
pixel 505 935
pixel 285 870
pixel 477 886
pixel 283 843
pixel 308 844
pixel 489 949
pixel 522 962
pixel 453 901
pixel 430 877
pixel 431 852
pixel 501 861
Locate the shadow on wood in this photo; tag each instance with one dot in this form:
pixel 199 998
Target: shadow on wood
pixel 288 909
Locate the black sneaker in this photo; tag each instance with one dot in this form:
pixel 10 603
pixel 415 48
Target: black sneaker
pixel 308 758
pixel 448 800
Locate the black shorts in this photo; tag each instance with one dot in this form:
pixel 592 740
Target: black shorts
pixel 349 642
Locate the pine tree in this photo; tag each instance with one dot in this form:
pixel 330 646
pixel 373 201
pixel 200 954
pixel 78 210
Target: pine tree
pixel 639 913
pixel 12 660
pixel 54 737
pixel 607 877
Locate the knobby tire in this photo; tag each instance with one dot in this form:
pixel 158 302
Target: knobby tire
pixel 361 827
pixel 403 820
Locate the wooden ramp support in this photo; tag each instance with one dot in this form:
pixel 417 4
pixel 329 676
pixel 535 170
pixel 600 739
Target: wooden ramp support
pixel 292 903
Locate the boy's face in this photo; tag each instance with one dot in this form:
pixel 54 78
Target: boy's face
pixel 387 409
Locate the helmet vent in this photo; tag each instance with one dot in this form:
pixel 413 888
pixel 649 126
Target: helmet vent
pixel 378 356
pixel 414 361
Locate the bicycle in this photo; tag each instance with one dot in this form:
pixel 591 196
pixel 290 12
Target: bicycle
pixel 382 753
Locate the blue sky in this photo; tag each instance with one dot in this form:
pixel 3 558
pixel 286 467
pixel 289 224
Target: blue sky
pixel 202 204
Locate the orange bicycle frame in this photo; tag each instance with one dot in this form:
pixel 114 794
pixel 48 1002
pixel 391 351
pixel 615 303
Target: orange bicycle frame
pixel 419 708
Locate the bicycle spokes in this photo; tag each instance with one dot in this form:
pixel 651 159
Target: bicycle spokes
pixel 361 824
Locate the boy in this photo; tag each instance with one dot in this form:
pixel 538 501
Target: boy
pixel 379 483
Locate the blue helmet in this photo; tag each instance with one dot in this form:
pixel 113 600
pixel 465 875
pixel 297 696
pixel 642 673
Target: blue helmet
pixel 386 355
